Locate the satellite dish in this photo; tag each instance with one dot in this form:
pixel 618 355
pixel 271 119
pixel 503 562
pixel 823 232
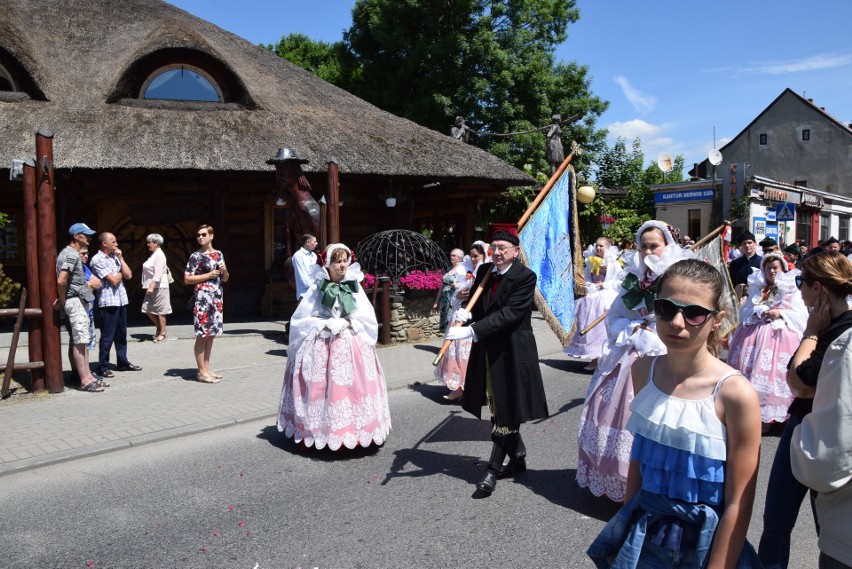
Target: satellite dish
pixel 664 161
pixel 715 157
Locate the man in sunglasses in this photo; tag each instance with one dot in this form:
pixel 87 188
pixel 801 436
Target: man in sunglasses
pixel 503 367
pixel 741 268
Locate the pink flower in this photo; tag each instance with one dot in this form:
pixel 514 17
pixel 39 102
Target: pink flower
pixel 422 280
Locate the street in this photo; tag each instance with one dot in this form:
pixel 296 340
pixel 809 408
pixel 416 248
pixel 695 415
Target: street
pixel 245 497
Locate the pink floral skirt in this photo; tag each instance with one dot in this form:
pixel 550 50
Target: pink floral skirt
pixel 762 353
pixel 453 366
pixel 589 308
pixel 604 443
pixel 334 394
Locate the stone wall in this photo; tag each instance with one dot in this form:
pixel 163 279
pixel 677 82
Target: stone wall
pixel 412 317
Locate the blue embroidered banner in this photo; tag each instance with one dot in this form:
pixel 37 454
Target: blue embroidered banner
pixel 548 244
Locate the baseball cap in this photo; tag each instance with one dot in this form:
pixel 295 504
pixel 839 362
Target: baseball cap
pixel 80 228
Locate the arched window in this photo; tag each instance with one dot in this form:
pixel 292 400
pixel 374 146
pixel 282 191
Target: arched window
pixel 180 82
pixel 6 81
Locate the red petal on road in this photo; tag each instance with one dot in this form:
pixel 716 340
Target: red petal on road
pixel 215 534
pixel 230 507
pixel 242 524
pixel 241 474
pixel 90 564
pixel 203 550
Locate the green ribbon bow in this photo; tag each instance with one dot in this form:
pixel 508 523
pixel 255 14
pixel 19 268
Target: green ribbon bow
pixel 636 293
pixel 343 291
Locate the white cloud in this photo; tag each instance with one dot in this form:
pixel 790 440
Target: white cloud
pixel 640 101
pixel 654 138
pixel 810 63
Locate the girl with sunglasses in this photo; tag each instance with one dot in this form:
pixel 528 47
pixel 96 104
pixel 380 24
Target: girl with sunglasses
pixel 603 440
pixel 772 320
pixel 602 268
pixel 695 453
pixel 825 284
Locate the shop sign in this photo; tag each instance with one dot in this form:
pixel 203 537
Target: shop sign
pixel 812 200
pixel 684 196
pixel 774 195
pixel 758 227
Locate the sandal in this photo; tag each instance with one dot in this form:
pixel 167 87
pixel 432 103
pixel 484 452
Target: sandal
pixel 215 375
pixel 100 381
pixel 159 338
pixel 92 387
pixel 205 378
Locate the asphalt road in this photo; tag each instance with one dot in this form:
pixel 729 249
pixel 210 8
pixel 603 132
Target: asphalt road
pixel 244 497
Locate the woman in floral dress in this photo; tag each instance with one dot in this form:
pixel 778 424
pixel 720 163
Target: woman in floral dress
pixel 334 391
pixel 453 366
pixel 772 320
pixel 206 271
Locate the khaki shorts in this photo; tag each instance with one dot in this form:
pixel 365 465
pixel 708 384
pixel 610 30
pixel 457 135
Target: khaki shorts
pixel 78 320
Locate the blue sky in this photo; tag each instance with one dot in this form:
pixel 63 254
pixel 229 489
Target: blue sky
pixel 671 70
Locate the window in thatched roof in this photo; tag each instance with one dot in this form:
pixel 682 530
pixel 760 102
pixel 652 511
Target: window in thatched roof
pixel 188 75
pixel 6 81
pixel 179 82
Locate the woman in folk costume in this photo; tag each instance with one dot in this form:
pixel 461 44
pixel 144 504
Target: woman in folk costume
pixel 334 390
pixel 602 269
pixel 772 320
pixel 604 442
pixel 453 367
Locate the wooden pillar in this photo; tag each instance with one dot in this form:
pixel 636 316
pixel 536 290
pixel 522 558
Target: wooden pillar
pixel 323 236
pixel 333 197
pixel 385 330
pixel 51 341
pixel 30 237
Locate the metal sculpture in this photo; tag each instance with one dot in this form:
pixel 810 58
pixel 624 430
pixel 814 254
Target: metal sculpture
pixel 397 252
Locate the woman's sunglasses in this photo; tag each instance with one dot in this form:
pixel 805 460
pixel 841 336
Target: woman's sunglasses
pixel 799 281
pixel 693 314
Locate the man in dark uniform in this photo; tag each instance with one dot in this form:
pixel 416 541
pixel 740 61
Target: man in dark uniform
pixel 741 268
pixel 503 367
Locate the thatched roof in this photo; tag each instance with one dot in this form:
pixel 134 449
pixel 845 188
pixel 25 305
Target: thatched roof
pixel 85 59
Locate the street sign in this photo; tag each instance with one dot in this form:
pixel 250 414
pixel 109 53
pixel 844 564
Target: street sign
pixel 785 211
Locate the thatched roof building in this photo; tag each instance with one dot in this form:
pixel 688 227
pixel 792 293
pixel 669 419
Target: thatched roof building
pixel 82 68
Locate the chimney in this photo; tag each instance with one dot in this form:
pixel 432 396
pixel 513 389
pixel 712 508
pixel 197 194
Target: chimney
pixel 810 100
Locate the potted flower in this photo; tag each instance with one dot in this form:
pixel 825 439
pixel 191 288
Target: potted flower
pixel 606 221
pixel 422 281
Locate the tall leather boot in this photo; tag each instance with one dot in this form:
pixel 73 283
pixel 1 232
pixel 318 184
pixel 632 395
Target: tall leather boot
pixel 517 456
pixel 495 466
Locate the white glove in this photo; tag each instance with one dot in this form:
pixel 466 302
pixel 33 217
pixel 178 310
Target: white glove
pixel 462 315
pixel 336 325
pixel 459 333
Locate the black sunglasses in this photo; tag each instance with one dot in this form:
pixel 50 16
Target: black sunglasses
pixel 799 281
pixel 693 314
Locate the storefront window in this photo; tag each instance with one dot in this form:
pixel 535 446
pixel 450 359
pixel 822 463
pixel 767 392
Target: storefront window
pixel 803 226
pixel 824 227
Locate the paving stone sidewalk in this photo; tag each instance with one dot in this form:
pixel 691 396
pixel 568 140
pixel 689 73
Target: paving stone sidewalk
pixel 164 401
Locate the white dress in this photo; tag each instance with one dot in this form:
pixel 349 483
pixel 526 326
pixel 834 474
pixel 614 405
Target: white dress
pixel 334 391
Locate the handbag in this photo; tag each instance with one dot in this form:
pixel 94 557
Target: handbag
pixel 169 276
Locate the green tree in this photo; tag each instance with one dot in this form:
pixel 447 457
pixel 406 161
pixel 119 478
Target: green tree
pixel 325 60
pixel 617 167
pixel 491 61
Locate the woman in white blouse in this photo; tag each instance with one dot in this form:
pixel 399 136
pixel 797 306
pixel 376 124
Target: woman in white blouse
pixel 155 281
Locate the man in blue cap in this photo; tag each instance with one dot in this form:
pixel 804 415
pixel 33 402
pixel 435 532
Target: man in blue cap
pixel 75 298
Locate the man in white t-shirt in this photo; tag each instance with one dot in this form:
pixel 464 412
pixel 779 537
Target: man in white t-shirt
pixel 303 260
